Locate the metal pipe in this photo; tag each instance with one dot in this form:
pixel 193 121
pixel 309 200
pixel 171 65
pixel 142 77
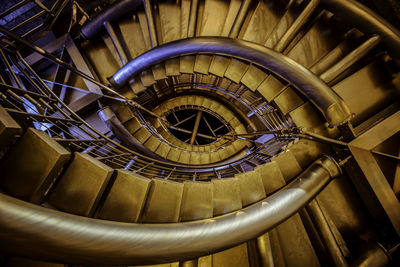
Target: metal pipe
pixel 120 8
pixel 350 59
pixel 114 39
pixel 67 66
pixel 196 127
pixel 237 25
pixel 151 26
pixel 369 22
pixel 33 231
pixel 296 26
pixel 194 4
pixel 265 250
pixel 328 102
pixel 326 234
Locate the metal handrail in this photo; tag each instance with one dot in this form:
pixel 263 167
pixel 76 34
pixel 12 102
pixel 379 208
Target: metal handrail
pixel 368 21
pixel 324 98
pixel 34 231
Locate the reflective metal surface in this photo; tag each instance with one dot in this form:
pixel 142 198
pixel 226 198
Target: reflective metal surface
pixel 368 21
pixel 117 10
pixel 34 231
pixel 329 103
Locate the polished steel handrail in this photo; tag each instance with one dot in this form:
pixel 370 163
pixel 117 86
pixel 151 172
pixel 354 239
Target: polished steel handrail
pixel 367 21
pixel 90 29
pixel 33 231
pixel 325 98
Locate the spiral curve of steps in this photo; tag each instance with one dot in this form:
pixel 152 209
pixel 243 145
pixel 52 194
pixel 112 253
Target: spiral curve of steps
pixel 87 137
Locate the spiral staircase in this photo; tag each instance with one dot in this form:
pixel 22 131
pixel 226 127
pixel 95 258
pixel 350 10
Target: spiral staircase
pixel 198 133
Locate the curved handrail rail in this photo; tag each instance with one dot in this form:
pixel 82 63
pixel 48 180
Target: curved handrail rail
pixel 350 10
pixel 120 8
pixel 33 231
pixel 368 21
pixel 324 98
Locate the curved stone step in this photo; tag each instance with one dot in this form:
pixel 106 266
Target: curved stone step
pixel 9 128
pixel 125 200
pixel 37 156
pixel 253 77
pixel 142 135
pixel 236 69
pixel 174 154
pixel 288 100
pixel 251 187
pixel 213 18
pixel 152 143
pixel 133 125
pixel 81 186
pixel 197 201
pixel 306 117
pixel 226 195
pixel 163 203
pixel 305 151
pixel 288 165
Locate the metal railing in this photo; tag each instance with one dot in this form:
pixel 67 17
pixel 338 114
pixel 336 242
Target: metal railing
pixel 34 17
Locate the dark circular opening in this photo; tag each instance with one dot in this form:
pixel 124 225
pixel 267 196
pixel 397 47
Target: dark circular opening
pixel 196 126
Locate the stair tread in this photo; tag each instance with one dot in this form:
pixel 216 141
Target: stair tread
pixel 172 67
pixel 288 165
pixel 137 85
pixel 226 195
pixel 170 14
pixel 306 151
pixel 282 26
pixel 271 176
pixel 253 77
pixel 305 116
pixel 126 198
pixel 187 64
pixel 8 128
pixel 80 188
pixel 236 70
pixel 174 154
pixel 308 55
pixel 123 112
pixel 142 135
pixel 147 78
pixel 163 202
pixel 134 42
pixel 35 156
pixel 231 16
pixel 218 66
pixel 152 143
pixel 270 87
pixel 159 72
pixel 144 27
pixel 133 125
pixel 251 187
pixel 236 256
pixel 197 201
pixel 163 149
pixel 202 64
pixel 288 100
